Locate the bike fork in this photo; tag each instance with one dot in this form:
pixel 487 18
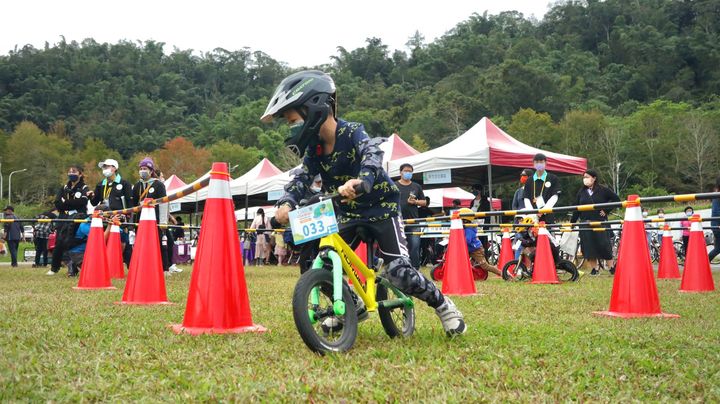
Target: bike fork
pixel 337 271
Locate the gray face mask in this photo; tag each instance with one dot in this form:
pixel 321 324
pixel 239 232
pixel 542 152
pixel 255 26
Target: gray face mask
pixel 144 174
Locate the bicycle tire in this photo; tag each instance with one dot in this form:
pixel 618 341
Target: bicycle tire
pixel 568 268
pixel 509 271
pixel 436 272
pixel 311 330
pixel 398 321
pixel 493 254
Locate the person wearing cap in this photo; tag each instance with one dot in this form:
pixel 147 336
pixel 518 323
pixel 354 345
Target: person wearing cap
pixel 150 186
pixel 113 191
pixel 543 190
pixel 70 199
pixel 13 234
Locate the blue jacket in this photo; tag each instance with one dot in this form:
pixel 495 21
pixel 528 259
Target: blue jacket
pixel 715 212
pixel 13 231
pixel 82 232
pixel 471 239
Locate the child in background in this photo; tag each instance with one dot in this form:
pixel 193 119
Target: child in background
pixel 475 248
pixel 280 248
pixel 689 211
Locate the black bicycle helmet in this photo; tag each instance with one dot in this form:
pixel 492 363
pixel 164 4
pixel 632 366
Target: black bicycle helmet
pixel 312 94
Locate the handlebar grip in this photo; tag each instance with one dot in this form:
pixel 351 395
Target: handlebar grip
pixel 362 188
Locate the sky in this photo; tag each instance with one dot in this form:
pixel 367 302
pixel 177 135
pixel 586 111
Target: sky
pixel 295 32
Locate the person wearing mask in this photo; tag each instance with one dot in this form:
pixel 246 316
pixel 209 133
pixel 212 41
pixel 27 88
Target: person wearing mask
pixel 595 245
pixel 689 211
pixel 41 235
pixel 149 186
pixel 346 157
pixel 715 223
pixel 262 243
pixel 543 189
pixel 70 200
pixel 13 234
pixel 518 202
pixel 113 192
pixel 411 198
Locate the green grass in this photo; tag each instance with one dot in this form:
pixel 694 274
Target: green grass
pixel 524 343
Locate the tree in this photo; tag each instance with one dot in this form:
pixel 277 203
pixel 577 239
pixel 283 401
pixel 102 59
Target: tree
pixel 234 154
pixel 180 157
pixel 700 148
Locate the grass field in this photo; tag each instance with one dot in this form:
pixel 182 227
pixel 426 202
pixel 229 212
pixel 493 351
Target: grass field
pixel 525 343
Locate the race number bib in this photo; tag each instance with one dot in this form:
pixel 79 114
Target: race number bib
pixel 313 222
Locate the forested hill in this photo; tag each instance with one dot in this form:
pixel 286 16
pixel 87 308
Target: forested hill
pixel 618 81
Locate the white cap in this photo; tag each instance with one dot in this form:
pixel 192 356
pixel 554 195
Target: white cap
pixel 109 162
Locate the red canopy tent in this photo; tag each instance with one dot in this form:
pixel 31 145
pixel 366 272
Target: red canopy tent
pixel 173 183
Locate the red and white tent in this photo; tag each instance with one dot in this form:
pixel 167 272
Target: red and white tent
pixel 396 148
pixel 174 183
pixel 485 144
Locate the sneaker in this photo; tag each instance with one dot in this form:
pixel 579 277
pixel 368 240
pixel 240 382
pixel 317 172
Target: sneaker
pixel 451 318
pixel 50 273
pixel 331 325
pixel 594 272
pixel 361 310
pixel 612 270
pixel 174 269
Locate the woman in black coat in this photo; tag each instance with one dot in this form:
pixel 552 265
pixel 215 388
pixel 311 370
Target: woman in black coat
pixel 595 245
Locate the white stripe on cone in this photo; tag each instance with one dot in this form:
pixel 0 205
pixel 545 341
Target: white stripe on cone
pixel 456 224
pixel 219 189
pixel 148 213
pixel 544 232
pixel 667 233
pixel 633 213
pixel 114 229
pixel 696 226
pixel 96 222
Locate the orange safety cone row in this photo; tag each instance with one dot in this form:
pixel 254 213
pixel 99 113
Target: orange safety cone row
pixel 457 272
pixel 697 276
pixel 506 251
pixel 114 252
pixel 218 301
pixel 634 292
pixel 668 268
pixel 544 265
pixel 94 273
pixel 145 279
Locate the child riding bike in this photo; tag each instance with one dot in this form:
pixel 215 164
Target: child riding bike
pixel 475 247
pixel 345 156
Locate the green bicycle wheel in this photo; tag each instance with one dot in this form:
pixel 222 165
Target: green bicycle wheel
pixel 397 321
pixel 319 327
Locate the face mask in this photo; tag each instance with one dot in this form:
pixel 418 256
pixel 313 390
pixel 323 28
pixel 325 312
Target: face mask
pixel 315 189
pixel 644 214
pixel 407 176
pixel 539 166
pixel 588 182
pixel 73 177
pixel 523 179
pixel 144 174
pixel 106 172
pixel 688 214
pixel 660 215
pixel 296 128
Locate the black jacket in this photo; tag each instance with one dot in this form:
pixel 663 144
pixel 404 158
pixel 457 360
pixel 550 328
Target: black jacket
pixel 601 194
pixel 152 190
pixel 118 193
pixel 72 198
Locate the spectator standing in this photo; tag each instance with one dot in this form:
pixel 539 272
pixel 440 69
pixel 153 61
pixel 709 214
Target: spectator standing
pixel 543 190
pixel 518 202
pixel 689 211
pixel 715 212
pixel 595 245
pixel 13 234
pixel 262 243
pixel 411 198
pixel 113 192
pixel 41 234
pixel 70 200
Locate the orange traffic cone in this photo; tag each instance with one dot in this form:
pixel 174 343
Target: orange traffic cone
pixel 218 301
pixel 634 292
pixel 114 252
pixel 145 280
pixel 361 252
pixel 457 272
pixel 94 273
pixel 668 268
pixel 544 265
pixel 696 274
pixel 506 250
